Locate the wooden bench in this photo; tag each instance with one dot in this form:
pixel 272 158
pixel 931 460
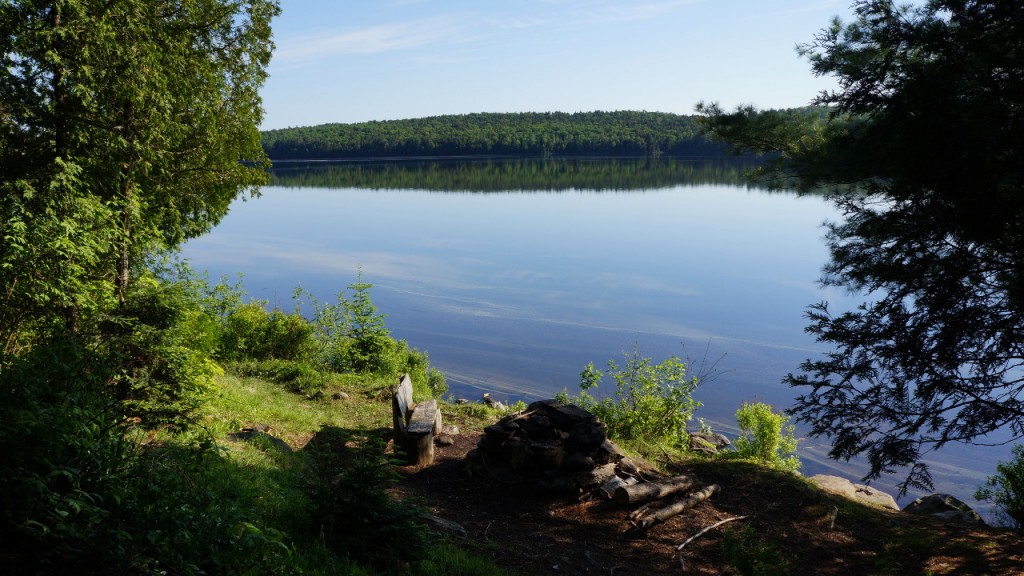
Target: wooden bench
pixel 415 425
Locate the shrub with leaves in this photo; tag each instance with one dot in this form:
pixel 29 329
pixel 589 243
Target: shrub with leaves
pixel 1006 490
pixel 161 343
pixel 425 378
pixel 372 348
pixel 351 336
pixel 81 495
pixel 251 332
pixel 766 436
pixel 652 401
pixel 64 451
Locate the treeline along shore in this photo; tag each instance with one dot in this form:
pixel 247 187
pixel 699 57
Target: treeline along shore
pixel 534 134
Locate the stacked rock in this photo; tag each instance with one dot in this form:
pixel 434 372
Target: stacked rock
pixel 555 447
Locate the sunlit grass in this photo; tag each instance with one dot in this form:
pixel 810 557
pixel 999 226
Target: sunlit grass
pixel 274 482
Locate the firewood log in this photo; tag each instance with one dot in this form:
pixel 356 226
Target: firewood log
pixel 647 491
pixel 662 514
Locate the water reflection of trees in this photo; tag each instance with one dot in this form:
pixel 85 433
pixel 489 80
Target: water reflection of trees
pixel 516 175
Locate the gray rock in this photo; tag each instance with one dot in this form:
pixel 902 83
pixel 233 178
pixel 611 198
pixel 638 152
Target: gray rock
pixel 609 452
pixel 259 434
pixel 856 492
pixel 588 436
pixel 708 442
pixel 945 507
pixel 339 396
pixel 497 405
pixel 563 418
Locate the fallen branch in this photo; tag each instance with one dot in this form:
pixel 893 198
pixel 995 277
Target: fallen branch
pixel 679 507
pixel 448 525
pixel 639 512
pixel 709 528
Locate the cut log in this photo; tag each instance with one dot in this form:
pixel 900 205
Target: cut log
pixel 662 514
pixel 647 491
pixel 615 483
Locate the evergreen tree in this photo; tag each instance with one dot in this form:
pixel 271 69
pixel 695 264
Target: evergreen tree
pixel 928 127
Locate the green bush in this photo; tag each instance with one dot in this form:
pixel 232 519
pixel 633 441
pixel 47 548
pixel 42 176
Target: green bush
pixel 161 343
pixel 426 380
pixel 251 332
pixel 1006 490
pixel 372 348
pixel 351 337
pixel 652 401
pixel 766 437
pixel 63 450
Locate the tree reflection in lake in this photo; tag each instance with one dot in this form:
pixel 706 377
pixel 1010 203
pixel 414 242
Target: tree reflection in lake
pixel 513 174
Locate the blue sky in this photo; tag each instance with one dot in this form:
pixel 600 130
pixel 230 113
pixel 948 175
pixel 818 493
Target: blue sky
pixel 360 60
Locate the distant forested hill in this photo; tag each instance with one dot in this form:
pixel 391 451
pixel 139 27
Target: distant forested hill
pixel 517 134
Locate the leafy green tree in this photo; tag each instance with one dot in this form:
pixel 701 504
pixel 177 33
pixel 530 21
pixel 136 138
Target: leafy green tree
pixel 928 126
pixel 125 126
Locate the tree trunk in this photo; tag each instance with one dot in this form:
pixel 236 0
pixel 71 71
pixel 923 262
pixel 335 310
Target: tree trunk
pixel 124 259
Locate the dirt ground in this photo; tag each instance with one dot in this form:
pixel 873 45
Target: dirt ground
pixel 788 529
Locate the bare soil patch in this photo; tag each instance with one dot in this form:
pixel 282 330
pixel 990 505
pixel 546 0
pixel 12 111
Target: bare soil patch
pixel 789 529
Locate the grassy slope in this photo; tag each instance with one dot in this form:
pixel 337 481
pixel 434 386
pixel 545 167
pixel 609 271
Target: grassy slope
pixel 273 479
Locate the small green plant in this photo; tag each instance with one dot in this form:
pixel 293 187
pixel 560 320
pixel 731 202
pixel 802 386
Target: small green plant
pixel 348 478
pixel 1006 490
pixel 766 436
pixel 751 556
pixel 652 401
pixel 372 348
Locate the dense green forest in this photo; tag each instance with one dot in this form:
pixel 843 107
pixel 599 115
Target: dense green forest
pixel 492 134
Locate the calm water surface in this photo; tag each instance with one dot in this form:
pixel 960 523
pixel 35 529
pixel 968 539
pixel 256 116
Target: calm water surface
pixel 513 290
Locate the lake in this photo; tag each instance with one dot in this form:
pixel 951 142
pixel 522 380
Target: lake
pixel 514 274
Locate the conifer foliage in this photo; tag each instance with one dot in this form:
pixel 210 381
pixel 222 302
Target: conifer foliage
pixel 927 127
